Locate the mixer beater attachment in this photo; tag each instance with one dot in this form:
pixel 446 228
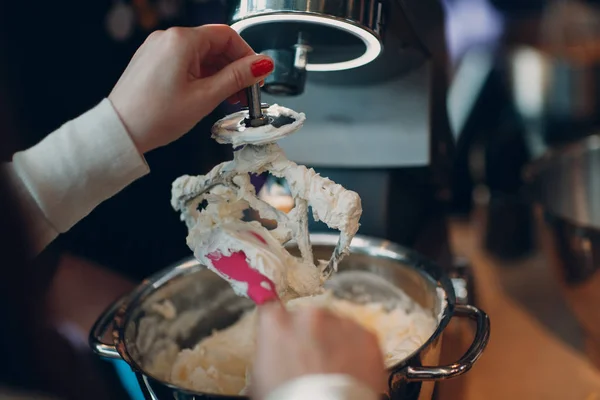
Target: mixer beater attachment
pixel 253 132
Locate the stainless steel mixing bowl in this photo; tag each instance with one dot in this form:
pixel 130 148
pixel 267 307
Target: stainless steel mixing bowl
pixel 204 302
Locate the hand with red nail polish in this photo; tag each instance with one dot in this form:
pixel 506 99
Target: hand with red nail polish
pixel 179 76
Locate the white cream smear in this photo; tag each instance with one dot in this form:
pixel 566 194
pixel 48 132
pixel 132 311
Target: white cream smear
pixel 229 130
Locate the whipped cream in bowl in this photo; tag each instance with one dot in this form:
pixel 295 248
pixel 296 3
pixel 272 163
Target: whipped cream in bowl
pixel 209 348
pixel 178 328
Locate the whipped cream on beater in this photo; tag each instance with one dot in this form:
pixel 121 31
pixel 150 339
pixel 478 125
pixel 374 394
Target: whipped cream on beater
pixel 231 130
pixel 219 227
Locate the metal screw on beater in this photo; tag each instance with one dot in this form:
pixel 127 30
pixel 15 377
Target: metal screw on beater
pixel 256 117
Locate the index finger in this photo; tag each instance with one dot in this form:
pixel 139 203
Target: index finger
pixel 221 40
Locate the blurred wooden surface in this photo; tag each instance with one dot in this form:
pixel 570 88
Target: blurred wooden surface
pixel 532 352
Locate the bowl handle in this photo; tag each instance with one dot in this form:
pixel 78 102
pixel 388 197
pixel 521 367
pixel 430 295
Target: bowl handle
pixel 101 326
pixel 480 341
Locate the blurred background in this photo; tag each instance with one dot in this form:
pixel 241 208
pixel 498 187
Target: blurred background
pixel 523 106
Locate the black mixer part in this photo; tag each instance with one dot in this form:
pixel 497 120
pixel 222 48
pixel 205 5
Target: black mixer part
pixel 286 79
pixel 289 76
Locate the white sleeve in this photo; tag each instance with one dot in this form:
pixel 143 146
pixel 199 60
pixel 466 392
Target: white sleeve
pixel 65 176
pixel 323 387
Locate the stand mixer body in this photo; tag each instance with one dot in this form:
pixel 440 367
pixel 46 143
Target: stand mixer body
pixel 371 78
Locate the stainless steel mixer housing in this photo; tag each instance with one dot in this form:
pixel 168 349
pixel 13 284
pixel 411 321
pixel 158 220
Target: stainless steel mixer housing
pixel 337 35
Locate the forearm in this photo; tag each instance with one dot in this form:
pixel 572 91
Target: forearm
pixel 64 177
pixel 323 387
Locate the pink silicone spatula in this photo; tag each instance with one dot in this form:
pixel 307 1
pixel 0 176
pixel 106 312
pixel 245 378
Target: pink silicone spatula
pixel 260 288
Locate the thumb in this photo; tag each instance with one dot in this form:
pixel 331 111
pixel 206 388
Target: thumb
pixel 237 76
pixel 272 315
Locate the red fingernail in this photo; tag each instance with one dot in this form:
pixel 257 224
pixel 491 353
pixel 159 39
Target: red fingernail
pixel 262 67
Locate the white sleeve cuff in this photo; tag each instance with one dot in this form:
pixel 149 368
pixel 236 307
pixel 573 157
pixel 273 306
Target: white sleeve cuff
pixel 84 162
pixel 39 229
pixel 323 387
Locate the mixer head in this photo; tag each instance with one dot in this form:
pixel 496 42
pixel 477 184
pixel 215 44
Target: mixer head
pixel 303 35
pixel 317 36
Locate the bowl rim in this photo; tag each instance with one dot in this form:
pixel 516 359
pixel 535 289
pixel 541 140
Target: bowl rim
pixel 361 244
